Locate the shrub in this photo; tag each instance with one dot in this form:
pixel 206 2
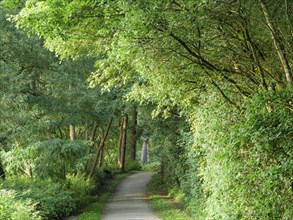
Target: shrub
pixel 80 188
pixel 51 199
pixel 16 209
pixel 247 158
pixel 235 165
pixel 153 166
pixel 132 165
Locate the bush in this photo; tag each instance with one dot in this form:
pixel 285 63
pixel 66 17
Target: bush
pixel 248 158
pixel 52 200
pixel 80 188
pixel 153 166
pixel 15 209
pixel 132 165
pixel 180 173
pixel 235 165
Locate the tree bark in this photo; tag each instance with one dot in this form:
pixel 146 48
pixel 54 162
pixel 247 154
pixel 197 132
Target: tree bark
pixel 132 146
pixel 277 42
pixel 123 143
pixel 101 144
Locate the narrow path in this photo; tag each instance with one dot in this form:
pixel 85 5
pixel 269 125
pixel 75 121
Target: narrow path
pixel 130 202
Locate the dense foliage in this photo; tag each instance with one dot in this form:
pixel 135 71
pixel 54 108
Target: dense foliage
pixel 51 129
pixel 216 75
pixel 15 209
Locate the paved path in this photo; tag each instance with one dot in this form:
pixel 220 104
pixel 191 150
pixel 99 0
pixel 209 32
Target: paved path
pixel 130 202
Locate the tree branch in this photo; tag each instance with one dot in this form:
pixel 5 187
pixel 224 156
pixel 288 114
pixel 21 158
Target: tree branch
pixel 277 42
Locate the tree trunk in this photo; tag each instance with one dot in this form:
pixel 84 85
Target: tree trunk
pixel 277 42
pixel 101 156
pixel 101 144
pixel 94 131
pixel 30 171
pixel 72 132
pixel 144 151
pixel 132 147
pixel 120 143
pixel 123 143
pixel 71 126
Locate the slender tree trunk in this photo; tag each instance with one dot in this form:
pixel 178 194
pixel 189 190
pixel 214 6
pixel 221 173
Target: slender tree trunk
pixel 120 143
pixel 123 143
pixel 71 126
pixel 30 171
pixel 277 42
pixel 101 144
pixel 144 152
pixel 101 156
pixel 132 148
pixel 94 131
pixel 72 132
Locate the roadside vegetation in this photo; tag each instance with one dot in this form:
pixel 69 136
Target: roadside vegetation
pixel 166 206
pixel 93 210
pixel 45 199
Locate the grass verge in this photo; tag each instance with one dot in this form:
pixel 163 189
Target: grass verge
pixel 165 206
pixel 94 210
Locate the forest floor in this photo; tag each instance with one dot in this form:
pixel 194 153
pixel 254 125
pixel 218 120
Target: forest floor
pixel 130 200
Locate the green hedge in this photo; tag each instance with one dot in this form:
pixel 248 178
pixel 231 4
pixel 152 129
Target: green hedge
pixel 235 165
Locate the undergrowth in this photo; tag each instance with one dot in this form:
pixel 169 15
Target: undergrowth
pixel 167 208
pixel 94 210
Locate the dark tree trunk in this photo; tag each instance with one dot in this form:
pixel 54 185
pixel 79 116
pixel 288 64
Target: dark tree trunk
pixel 101 145
pixel 123 142
pixel 120 143
pixel 101 156
pixel 132 148
pixel 94 131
